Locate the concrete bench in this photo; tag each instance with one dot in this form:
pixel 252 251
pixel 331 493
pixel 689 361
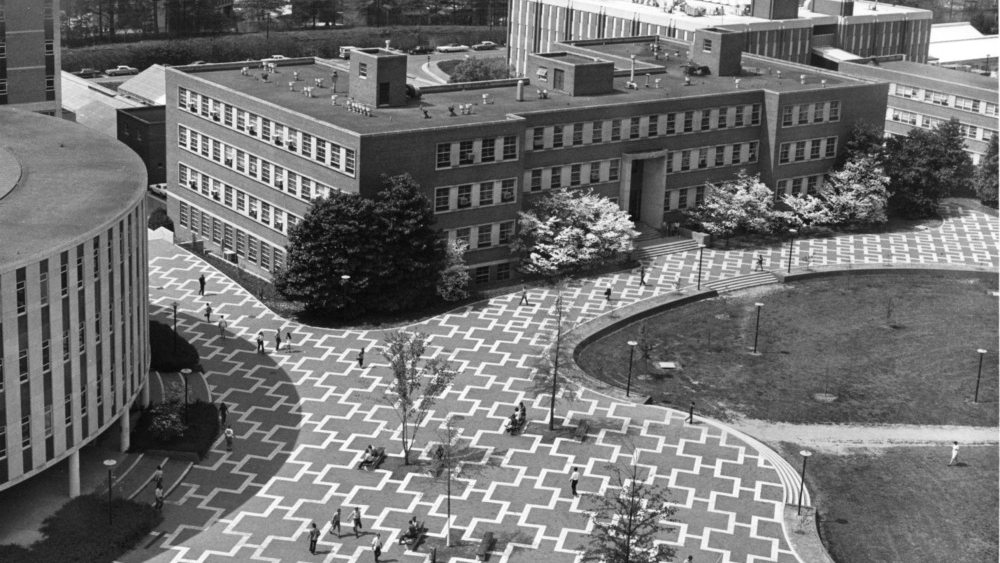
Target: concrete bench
pixel 379 458
pixel 581 430
pixel 413 542
pixel 485 546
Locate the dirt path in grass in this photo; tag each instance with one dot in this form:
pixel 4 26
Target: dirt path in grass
pixel 837 438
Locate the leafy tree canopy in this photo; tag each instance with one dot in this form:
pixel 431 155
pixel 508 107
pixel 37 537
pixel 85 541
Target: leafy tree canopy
pixel 858 193
pixel 867 140
pixel 387 245
pixel 924 167
pixel 454 280
pixel 478 69
pixel 743 205
pixel 986 175
pixel 572 230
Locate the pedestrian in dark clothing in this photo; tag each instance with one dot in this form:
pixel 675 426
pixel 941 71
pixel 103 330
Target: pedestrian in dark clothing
pixel 361 358
pixel 690 418
pixel 335 523
pixel 607 295
pixel 524 296
pixel 277 340
pixel 574 478
pixel 260 343
pixel 208 312
pixel 230 435
pixel 201 285
pixel 223 325
pixel 158 476
pixel 642 276
pixel 760 263
pixel 288 341
pixel 223 412
pixel 159 497
pixel 313 537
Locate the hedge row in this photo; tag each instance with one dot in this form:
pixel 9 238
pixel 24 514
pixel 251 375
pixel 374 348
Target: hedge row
pixel 318 43
pixel 79 532
pixel 197 437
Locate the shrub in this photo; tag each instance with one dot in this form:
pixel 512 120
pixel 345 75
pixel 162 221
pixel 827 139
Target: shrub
pixel 165 425
pixel 162 353
pixel 479 69
pixel 196 437
pixel 79 532
pixel 159 218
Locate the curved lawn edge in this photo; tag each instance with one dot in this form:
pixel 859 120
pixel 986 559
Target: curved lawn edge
pixel 806 534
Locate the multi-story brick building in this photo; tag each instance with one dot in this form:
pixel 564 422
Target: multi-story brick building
pixel 73 293
pixel 246 154
pixel 923 96
pixel 29 55
pixel 779 29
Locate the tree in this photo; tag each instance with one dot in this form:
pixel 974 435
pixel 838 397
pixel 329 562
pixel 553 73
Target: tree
pixel 743 205
pixel 628 518
pixel 479 69
pixel 416 383
pixel 386 244
pixel 925 167
pixel 806 210
pixel 867 140
pixel 986 175
pixel 453 282
pixel 546 378
pixel 571 231
pixel 858 193
pixel 315 10
pixel 159 218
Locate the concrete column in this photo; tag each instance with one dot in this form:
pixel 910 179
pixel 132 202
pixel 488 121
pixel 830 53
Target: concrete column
pixel 74 474
pixel 144 393
pixel 125 428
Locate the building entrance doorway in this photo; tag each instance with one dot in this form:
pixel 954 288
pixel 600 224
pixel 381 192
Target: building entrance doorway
pixel 635 190
pixel 643 186
pixel 383 94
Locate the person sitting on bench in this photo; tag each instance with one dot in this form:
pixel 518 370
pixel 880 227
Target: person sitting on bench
pixel 369 457
pixel 411 532
pixel 512 423
pixel 520 417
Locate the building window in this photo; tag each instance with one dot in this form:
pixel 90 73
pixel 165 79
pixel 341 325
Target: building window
pixel 597 135
pixel 814 147
pixel 506 232
pixel 706 120
pixel 752 157
pixel 800 151
pixel 831 147
pixel 740 116
pixel 574 175
pixel 510 147
pixel 595 172
pixel 686 160
pixel 464 235
pixel 699 196
pixel 507 188
pixel 652 126
pixel 937 98
pixel 737 153
pixel 783 153
pixel 706 45
pixel 482 274
pixel 363 70
pixel 811 185
pixel 465 153
pixel 503 271
pixel 991 109
pixel 672 123
pixel 803 114
pixel 265 256
pixel 613 170
pixel 486 193
pixel 703 158
pixel 688 121
pixel 488 150
pixel 834 112
pixel 536 180
pixel 755 114
pixel 444 155
pixel 722 119
pixel 720 156
pixel 557 136
pixel 616 129
pixel 633 128
pixel 538 138
pixel 682 199
pixel 441 199
pixel 577 134
pixel 465 196
pixel 555 179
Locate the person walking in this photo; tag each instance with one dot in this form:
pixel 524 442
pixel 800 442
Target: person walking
pixel 208 312
pixel 230 435
pixel 355 518
pixel 158 476
pixel 224 413
pixel 642 275
pixel 201 285
pixel 313 538
pixel 574 478
pixel 361 358
pixel 335 523
pixel 288 341
pixel 223 325
pixel 607 294
pixel 690 559
pixel 954 453
pixel 377 546
pixel 159 497
pixel 760 263
pixel 690 418
pixel 260 343
pixel 277 341
pixel 524 296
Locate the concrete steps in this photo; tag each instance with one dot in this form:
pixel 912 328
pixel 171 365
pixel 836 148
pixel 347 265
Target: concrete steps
pixel 661 247
pixel 743 282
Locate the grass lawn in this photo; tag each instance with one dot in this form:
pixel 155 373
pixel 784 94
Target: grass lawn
pixel 885 348
pixel 906 504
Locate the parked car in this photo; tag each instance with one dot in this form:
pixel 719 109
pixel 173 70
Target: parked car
pixel 485 46
pixel 452 48
pixel 277 57
pixel 198 63
pixel 87 73
pixel 421 50
pixel 158 189
pixel 121 70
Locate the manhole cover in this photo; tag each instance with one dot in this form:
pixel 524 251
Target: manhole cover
pixel 825 397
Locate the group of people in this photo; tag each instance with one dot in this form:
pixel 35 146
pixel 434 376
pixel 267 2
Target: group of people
pixel 261 349
pixel 371 454
pixel 355 519
pixel 517 419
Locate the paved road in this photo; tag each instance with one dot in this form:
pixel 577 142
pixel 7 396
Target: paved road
pixel 303 419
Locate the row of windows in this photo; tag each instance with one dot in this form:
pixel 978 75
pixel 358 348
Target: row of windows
pixel 328 153
pixel 228 237
pixel 711 157
pixel 927 122
pixel 467 196
pixel 806 150
pixel 804 114
pixel 942 99
pixel 236 199
pixel 484 236
pixel 613 130
pixel 802 185
pixel 682 198
pixel 573 175
pixel 251 166
pixel 481 274
pixel 476 151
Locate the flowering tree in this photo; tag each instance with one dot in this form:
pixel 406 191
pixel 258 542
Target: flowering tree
pixel 806 210
pixel 453 281
pixel 572 230
pixel 858 193
pixel 741 205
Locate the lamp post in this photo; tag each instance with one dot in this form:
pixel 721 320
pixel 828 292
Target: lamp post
pixel 791 248
pixel 628 386
pixel 701 252
pixel 802 477
pixel 175 326
pixel 756 330
pixel 982 353
pixel 110 464
pixel 186 372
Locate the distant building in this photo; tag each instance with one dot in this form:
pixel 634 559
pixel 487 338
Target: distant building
pixel 144 130
pixel 248 149
pixel 29 60
pixel 961 46
pixel 923 96
pixel 92 105
pixel 74 342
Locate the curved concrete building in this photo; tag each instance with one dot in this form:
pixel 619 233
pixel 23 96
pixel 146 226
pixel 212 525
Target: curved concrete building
pixel 74 345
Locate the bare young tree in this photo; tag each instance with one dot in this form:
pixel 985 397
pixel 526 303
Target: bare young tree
pixel 546 378
pixel 416 382
pixel 629 516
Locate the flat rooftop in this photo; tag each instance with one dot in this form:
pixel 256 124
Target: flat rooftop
pixel 64 182
pixel 940 74
pixel 759 74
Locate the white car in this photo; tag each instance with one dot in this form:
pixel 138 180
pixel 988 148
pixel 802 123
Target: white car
pixel 274 58
pixel 452 48
pixel 121 70
pixel 159 189
pixel 485 46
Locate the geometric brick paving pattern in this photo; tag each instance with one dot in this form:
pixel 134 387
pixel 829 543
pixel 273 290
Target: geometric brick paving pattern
pixel 303 418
